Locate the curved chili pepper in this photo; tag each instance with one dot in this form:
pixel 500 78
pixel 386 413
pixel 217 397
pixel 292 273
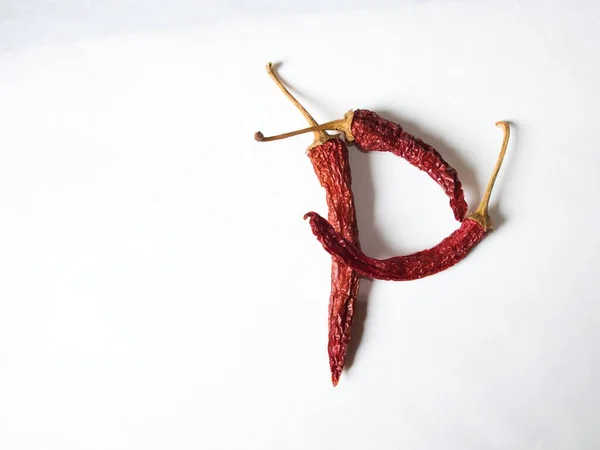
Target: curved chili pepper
pixel 400 268
pixel 374 133
pixel 418 265
pixel 329 157
pixel 371 132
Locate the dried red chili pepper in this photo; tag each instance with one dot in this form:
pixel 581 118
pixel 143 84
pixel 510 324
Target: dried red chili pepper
pixel 372 133
pixel 329 157
pixel 400 268
pixel 371 130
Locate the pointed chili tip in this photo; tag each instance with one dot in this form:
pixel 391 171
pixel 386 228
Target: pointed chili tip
pixel 335 379
pixel 259 136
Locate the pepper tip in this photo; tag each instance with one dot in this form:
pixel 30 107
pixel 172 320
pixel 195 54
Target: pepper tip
pixel 310 215
pixel 335 379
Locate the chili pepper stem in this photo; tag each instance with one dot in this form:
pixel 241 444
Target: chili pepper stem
pixel 342 125
pixel 320 136
pixel 481 215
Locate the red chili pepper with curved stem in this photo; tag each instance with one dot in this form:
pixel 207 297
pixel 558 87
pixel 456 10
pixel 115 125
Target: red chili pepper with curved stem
pixel 371 132
pixel 329 156
pixel 421 264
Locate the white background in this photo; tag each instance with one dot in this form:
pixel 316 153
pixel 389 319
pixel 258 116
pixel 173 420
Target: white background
pixel 159 288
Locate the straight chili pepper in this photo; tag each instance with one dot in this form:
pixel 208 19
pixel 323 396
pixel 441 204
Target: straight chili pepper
pixel 421 264
pixel 329 157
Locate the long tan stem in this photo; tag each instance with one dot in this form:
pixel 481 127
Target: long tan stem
pixel 271 71
pixel 481 214
pixel 320 135
pixel 342 125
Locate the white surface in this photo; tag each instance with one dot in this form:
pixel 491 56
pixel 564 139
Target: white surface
pixel 36 22
pixel 159 288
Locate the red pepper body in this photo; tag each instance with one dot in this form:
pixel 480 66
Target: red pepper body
pixel 400 268
pixel 330 162
pixel 373 133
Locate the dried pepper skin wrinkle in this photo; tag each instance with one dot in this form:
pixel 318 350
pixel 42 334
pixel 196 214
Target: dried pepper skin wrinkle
pixel 331 165
pixel 373 133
